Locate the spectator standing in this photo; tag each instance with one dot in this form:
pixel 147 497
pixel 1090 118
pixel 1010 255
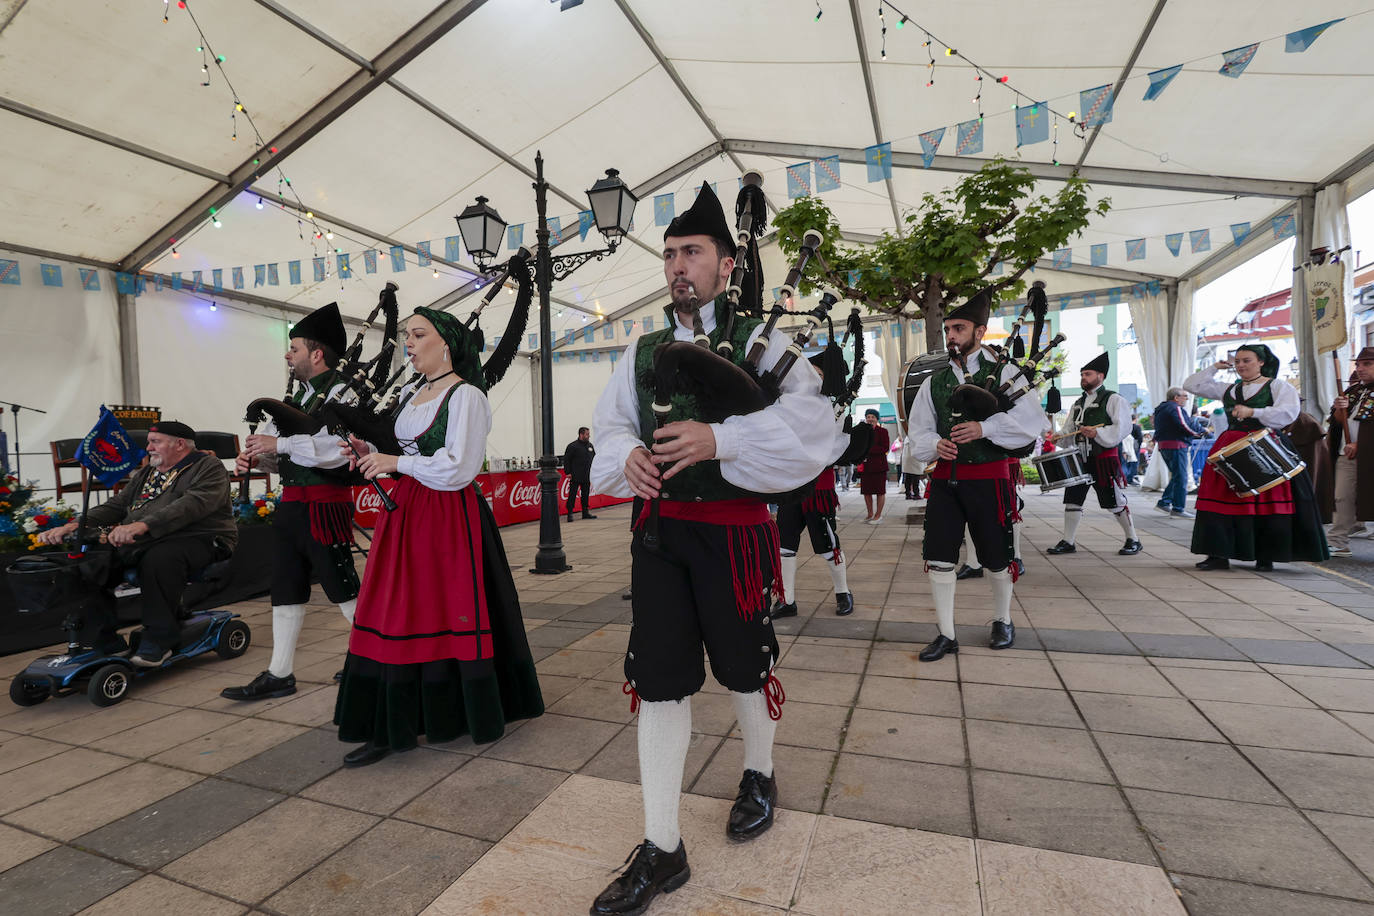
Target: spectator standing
pixel 1175 432
pixel 577 461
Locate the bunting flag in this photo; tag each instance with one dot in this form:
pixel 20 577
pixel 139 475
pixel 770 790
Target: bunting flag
pixel 555 230
pixel 896 329
pixel 370 261
pixel 648 323
pixel 422 256
pixel 629 325
pixel 273 277
pixel 319 269
pixel 1234 62
pixel 9 272
pixel 1160 80
pixel 1095 106
pixel 996 269
pixel 854 277
pixel 1174 242
pixel 1114 295
pixel 588 335
pixel 608 331
pixel 663 209
pixel 568 334
pixel 345 269
pixel 176 280
pixel 798 180
pixel 1089 300
pixel 197 283
pixel 236 274
pixel 126 284
pixel 1240 231
pixel 52 274
pixel 1062 259
pixel 596 356
pixel 515 236
pixel 158 281
pixel 398 259
pixel 1097 255
pixel 586 219
pixel 1032 124
pixel 582 357
pixel 259 275
pixel 1285 226
pixel 930 144
pixel 614 356
pixel 827 174
pixel 293 272
pixel 968 137
pixel 452 248
pixel 1200 240
pixel 878 157
pixel 218 283
pixel 1301 40
pixel 1135 249
pixel 533 340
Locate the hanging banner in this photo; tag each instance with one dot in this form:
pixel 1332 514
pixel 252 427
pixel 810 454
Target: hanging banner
pixel 9 272
pixel 854 278
pixel 1174 242
pixel 1160 80
pixel 1135 249
pixel 422 256
pixel 555 230
pixel 1095 106
pixel 398 259
pixel 197 283
pixel 52 274
pixel 293 272
pixel 1285 227
pixel 878 158
pixel 1301 40
pixel 345 269
pixel 533 340
pixel 218 283
pixel 370 261
pixel 827 174
pixel 126 284
pixel 608 331
pixel 259 275
pixel 273 277
pixel 663 209
pixel 1062 259
pixel 319 269
pixel 798 179
pixel 1239 232
pixel 930 144
pixel 586 219
pixel 997 268
pixel 1200 240
pixel 589 335
pixel 1032 124
pixel 968 137
pixel 1097 255
pixel 1326 300
pixel 515 236
pixel 629 325
pixel 236 275
pixel 1234 62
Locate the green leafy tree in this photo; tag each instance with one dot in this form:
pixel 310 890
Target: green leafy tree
pixel 947 247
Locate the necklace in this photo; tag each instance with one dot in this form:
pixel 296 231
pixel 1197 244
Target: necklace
pixel 430 381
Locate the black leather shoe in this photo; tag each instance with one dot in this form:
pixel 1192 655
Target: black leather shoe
pixel 1062 547
pixel 844 603
pixel 752 812
pixel 969 572
pixel 1214 563
pixel 1003 635
pixel 262 687
pixel 570 519
pixel 1264 566
pixel 588 516
pixel 1020 567
pixel 785 610
pixel 651 870
pixel 367 754
pixel 937 650
pixel 149 655
pixel 1130 548
pixel 338 676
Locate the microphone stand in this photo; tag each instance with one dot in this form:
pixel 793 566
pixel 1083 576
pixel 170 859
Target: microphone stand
pixel 14 411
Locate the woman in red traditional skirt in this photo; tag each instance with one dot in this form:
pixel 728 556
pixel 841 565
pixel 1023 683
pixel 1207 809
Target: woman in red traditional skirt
pixel 438 646
pixel 873 471
pixel 1281 524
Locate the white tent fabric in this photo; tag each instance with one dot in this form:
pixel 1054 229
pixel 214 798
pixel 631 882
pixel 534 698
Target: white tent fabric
pixel 1151 319
pixel 1331 229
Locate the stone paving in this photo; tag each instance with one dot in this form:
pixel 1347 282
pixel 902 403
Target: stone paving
pixel 1160 740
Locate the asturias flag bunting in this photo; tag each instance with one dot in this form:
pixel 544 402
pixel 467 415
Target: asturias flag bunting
pixel 1160 80
pixel 107 451
pixel 930 143
pixel 1301 40
pixel 1234 62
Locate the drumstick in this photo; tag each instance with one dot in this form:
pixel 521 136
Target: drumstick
pixel 1075 432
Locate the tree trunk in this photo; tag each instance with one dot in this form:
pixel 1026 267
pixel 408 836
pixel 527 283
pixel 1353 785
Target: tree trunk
pixel 933 313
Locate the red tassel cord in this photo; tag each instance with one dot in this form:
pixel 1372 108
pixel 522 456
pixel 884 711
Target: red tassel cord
pixel 633 695
pixel 331 523
pixel 773 693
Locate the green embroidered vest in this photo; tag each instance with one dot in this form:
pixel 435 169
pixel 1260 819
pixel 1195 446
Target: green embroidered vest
pixel 1262 398
pixel 702 481
pixel 1096 415
pixel 433 438
pixel 942 385
pixel 295 475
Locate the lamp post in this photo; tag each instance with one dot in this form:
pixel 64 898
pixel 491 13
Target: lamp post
pixel 613 206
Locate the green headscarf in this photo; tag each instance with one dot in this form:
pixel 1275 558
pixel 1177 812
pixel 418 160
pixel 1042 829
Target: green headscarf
pixel 1269 363
pixel 462 349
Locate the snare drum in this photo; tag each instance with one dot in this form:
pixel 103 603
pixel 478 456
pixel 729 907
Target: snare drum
pixel 1064 467
pixel 1256 463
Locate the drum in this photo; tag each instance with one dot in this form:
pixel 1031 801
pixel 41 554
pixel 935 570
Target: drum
pixel 914 375
pixel 1256 463
pixel 1061 468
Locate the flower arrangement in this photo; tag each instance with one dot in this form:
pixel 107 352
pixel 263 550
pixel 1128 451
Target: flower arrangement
pixel 22 517
pixel 257 511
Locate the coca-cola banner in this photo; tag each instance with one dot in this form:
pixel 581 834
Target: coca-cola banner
pixel 512 495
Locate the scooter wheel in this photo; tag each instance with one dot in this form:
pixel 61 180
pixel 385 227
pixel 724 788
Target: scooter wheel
pixel 109 685
pixel 234 639
pixel 27 691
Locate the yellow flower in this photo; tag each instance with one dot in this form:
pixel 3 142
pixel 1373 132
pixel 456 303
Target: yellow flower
pixel 262 512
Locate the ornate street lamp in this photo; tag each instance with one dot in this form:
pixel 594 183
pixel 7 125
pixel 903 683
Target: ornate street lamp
pixel 613 206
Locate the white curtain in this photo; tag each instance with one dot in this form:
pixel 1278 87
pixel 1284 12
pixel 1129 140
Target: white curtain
pixel 1331 229
pixel 1150 318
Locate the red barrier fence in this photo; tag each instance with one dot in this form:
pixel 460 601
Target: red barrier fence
pixel 512 495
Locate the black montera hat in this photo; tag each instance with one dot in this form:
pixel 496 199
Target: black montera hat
pixel 173 428
pixel 1101 364
pixel 704 217
pixel 324 325
pixel 976 310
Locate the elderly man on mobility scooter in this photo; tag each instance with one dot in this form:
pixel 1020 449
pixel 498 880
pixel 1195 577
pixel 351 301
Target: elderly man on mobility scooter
pixel 171 520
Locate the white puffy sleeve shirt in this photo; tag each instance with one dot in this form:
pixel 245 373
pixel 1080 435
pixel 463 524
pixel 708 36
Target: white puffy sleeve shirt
pixel 779 448
pixel 1285 409
pixel 457 464
pixel 317 450
pixel 1011 429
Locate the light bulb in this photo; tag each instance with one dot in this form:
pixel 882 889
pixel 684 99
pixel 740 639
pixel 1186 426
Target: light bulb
pixel 175 253
pixel 259 203
pixel 436 273
pixel 213 307
pixel 329 234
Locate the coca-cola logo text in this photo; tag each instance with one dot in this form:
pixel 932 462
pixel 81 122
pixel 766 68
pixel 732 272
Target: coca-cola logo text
pixel 522 494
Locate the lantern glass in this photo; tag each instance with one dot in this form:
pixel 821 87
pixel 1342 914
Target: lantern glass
pixel 613 205
pixel 482 229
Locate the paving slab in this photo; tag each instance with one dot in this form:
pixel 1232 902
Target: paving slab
pixel 388 784
pixel 483 799
pixel 1030 705
pixel 903 793
pixel 154 894
pixel 1325 782
pixel 96 803
pixel 1186 767
pixel 1017 880
pixel 62 880
pixel 293 764
pixel 1229 898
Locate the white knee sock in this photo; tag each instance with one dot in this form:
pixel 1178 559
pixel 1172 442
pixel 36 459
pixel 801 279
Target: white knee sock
pixel 1071 519
pixel 757 728
pixel 1016 539
pixel 789 576
pixel 970 552
pixel 942 583
pixel 838 575
pixel 348 607
pixel 1123 518
pixel 1001 594
pixel 287 620
pixel 665 731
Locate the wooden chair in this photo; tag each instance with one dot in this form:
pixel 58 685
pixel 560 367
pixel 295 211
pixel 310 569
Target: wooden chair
pixel 64 458
pixel 225 446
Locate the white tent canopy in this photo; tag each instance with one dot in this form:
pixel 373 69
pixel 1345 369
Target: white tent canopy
pixel 388 119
